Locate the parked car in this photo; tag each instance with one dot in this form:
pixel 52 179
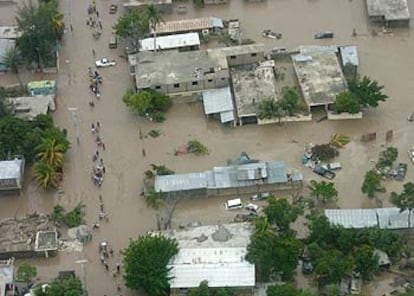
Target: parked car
pixel 260 196
pixel 324 35
pixel 307 267
pixel 324 172
pixel 332 166
pixel 401 171
pixel 270 34
pixel 252 207
pixel 233 204
pixel 411 154
pixel 113 8
pixel 102 63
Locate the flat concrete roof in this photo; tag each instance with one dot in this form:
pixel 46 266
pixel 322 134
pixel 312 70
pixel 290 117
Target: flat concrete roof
pixel 189 25
pixel 19 234
pixel 320 77
pixel 251 85
pixel 11 174
pixel 27 108
pixel 391 10
pixel 215 253
pixel 170 41
pixel 170 67
pixel 240 49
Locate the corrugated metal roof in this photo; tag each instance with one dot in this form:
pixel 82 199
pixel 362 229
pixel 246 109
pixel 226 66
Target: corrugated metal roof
pixel 188 25
pixel 277 172
pixel 309 49
pixel 171 41
pixel 393 218
pixel 226 116
pixel 352 218
pixel 179 182
pixel 10 169
pixel 217 100
pixel 349 55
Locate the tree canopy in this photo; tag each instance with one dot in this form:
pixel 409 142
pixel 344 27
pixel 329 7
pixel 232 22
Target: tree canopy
pixel 146 261
pixel 204 290
pixel 323 190
pixel 387 157
pixel 66 287
pixel 368 92
pixel 26 272
pixel 371 184
pixel 287 290
pixel 132 26
pixel 282 213
pixel 147 102
pixel 405 200
pixel 347 102
pixel 42 25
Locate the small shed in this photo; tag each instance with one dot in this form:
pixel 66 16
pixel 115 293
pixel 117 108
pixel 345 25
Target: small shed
pixel 11 174
pixel 43 87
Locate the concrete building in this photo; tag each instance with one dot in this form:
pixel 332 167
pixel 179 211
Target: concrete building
pixel 204 25
pixel 9 32
pixel 242 54
pixel 251 85
pixel 320 77
pixel 30 236
pixel 230 180
pixel 208 2
pixel 172 72
pixel 165 6
pixel 7 284
pixel 11 174
pixel 384 218
pixel 27 108
pixel 389 12
pixel 213 253
pixel 182 42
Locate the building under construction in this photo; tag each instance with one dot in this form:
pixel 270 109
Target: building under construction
pixel 30 236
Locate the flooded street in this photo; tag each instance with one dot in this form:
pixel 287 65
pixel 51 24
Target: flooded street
pixel 386 58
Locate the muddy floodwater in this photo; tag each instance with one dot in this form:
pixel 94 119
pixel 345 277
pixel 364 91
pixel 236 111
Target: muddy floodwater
pixel 384 57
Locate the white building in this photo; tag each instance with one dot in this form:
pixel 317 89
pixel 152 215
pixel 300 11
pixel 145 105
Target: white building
pixel 213 253
pixel 11 174
pixel 189 41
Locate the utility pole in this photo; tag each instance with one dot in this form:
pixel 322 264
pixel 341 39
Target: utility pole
pixel 82 262
pixel 75 122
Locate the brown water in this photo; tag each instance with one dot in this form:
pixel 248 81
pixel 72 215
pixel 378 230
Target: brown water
pixel 386 58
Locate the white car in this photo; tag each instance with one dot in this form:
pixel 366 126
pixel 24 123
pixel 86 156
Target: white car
pixel 105 63
pixel 252 207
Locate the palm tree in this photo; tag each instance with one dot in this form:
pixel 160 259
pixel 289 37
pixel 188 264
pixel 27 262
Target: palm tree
pixel 58 26
pixel 324 190
pixel 46 175
pixel 261 225
pixel 269 109
pixel 12 59
pixel 50 152
pixel 154 18
pixel 154 199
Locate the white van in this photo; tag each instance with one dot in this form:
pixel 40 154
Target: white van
pixel 233 204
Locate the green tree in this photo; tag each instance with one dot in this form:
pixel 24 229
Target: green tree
pixel 131 27
pixel 366 262
pixel 204 290
pixel 261 225
pixel 323 190
pixel 147 102
pixel 405 200
pixel 270 109
pixel 332 266
pixel 162 170
pixel 13 59
pixel 273 255
pixel 347 102
pixel 387 157
pixel 43 122
pixel 146 261
pixel 372 182
pixel 153 16
pixel 368 92
pixel 66 287
pixel 196 147
pixel 154 199
pixel 282 213
pixel 26 272
pixel 50 152
pixel 39 36
pixel 46 175
pixel 290 99
pixel 286 290
pixel 53 133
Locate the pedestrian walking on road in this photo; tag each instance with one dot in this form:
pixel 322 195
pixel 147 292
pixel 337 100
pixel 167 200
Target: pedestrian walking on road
pixel 106 266
pixel 97 153
pixel 111 251
pixel 102 259
pixel 93 128
pixel 103 169
pixel 118 288
pixel 93 53
pixel 102 207
pixel 118 267
pixel 103 146
pixel 98 125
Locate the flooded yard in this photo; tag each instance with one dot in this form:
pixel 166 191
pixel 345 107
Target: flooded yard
pixel 385 57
